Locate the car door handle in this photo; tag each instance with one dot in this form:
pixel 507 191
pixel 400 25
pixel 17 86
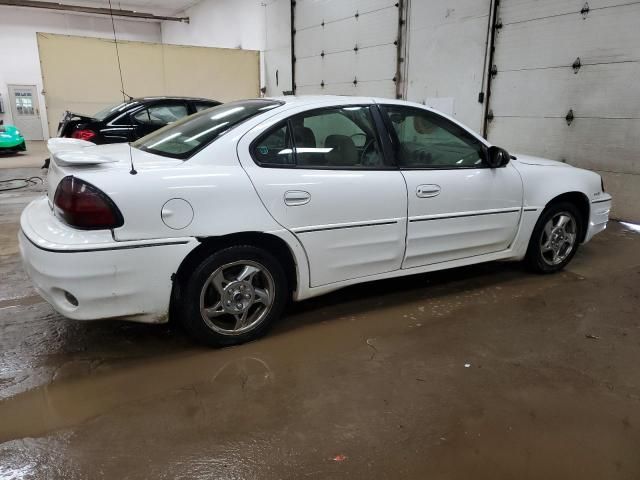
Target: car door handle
pixel 426 191
pixel 296 197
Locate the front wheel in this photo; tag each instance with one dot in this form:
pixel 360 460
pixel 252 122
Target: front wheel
pixel 555 238
pixel 233 296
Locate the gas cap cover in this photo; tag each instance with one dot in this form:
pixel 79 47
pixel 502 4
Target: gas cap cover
pixel 177 213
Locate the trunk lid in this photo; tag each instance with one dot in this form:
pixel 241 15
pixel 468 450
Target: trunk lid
pixel 70 120
pixel 111 159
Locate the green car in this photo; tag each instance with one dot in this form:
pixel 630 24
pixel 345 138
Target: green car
pixel 11 140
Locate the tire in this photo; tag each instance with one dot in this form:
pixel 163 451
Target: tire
pixel 552 245
pixel 233 296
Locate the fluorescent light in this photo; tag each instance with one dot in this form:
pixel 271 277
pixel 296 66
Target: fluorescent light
pixel 166 139
pixel 313 150
pixel 631 226
pixel 231 111
pixel 206 131
pixel 287 151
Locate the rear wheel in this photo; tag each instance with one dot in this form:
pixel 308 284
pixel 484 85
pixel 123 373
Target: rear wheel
pixel 233 296
pixel 555 238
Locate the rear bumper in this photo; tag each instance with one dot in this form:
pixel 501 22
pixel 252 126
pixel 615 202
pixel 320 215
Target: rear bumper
pixel 17 145
pixel 599 216
pixel 96 280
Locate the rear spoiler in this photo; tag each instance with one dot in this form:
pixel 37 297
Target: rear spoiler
pixel 57 145
pixel 80 158
pixel 73 152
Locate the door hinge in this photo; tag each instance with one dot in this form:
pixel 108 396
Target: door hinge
pixel 576 65
pixel 569 118
pixel 585 10
pixel 481 97
pixel 490 116
pixel 494 70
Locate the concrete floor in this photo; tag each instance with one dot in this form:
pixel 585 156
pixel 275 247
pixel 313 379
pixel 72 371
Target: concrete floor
pixel 34 156
pixel 484 372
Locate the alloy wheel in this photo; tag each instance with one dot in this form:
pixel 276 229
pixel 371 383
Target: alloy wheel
pixel 236 297
pixel 558 238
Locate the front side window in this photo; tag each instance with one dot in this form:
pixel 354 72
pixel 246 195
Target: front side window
pixel 427 140
pixel 343 137
pixel 186 137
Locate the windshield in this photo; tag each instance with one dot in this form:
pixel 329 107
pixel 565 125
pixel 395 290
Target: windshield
pixel 184 138
pixel 105 112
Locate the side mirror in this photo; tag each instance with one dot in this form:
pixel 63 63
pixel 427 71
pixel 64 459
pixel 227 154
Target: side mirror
pixel 497 157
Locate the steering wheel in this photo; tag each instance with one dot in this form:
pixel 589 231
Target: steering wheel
pixel 366 148
pixel 359 134
pixel 422 157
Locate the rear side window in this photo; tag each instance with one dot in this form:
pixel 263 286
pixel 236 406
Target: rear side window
pixel 343 137
pixel 199 106
pixel 186 137
pixel 160 115
pixel 275 149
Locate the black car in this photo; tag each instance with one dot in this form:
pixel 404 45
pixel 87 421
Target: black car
pixel 129 121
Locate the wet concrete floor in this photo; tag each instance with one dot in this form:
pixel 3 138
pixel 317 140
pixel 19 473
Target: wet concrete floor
pixel 483 372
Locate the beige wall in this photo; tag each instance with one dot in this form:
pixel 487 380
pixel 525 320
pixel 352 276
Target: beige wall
pixel 81 73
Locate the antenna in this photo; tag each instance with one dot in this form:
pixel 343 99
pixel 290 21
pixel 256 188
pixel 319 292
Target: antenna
pixel 124 94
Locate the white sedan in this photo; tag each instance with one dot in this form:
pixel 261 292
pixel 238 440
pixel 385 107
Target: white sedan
pixel 221 218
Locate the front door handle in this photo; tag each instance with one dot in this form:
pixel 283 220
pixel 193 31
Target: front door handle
pixel 296 197
pixel 426 191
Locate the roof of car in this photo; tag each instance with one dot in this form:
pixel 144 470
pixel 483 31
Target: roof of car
pixel 327 100
pixel 151 99
pixel 346 99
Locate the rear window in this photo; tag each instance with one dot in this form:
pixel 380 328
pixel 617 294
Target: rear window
pixel 104 113
pixel 186 137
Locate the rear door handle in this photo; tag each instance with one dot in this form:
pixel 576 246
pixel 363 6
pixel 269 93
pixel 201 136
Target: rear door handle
pixel 296 197
pixel 426 191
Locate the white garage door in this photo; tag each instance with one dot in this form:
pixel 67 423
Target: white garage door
pixel 345 47
pixel 567 88
pixel 447 44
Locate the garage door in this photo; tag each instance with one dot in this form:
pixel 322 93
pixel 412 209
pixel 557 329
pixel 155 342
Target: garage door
pixel 446 52
pixel 565 86
pixel 345 47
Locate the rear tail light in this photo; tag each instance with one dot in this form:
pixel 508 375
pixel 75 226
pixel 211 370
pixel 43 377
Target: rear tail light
pixel 83 134
pixel 84 206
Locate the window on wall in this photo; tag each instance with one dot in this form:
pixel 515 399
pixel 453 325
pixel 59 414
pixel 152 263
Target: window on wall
pixel 427 140
pixel 328 138
pixel 24 103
